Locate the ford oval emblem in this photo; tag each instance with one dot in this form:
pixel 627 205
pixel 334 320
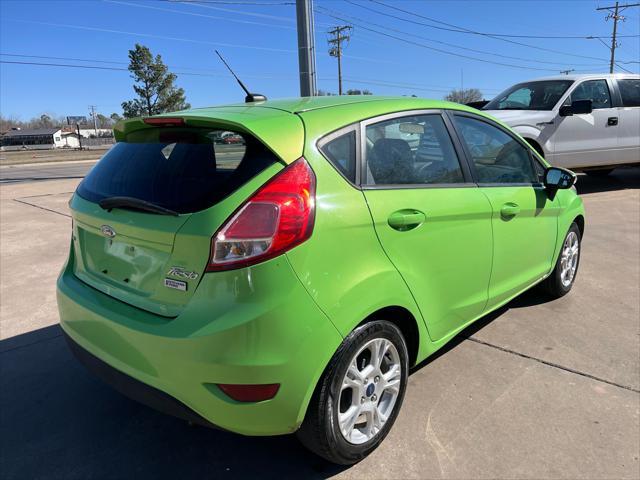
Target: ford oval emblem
pixel 107 231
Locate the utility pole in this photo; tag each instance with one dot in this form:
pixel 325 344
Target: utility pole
pixel 306 48
pixel 79 136
pixel 614 12
pixel 567 72
pixel 335 48
pixel 92 109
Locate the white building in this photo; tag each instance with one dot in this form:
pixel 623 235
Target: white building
pixel 39 139
pixel 89 132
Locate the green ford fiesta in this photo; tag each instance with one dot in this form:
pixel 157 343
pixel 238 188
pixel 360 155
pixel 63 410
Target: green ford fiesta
pixel 287 281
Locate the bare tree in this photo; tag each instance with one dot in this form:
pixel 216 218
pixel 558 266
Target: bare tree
pixel 44 120
pixel 464 96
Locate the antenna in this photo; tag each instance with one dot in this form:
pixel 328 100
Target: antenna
pixel 251 97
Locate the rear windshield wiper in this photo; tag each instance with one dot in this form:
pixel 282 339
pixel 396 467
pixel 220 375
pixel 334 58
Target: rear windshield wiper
pixel 134 204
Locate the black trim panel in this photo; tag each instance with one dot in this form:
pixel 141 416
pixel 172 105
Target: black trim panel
pixel 135 389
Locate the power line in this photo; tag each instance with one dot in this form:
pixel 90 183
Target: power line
pixel 228 2
pixel 422 45
pixel 502 35
pixel 466 48
pixel 63 58
pixel 623 69
pixel 201 15
pixel 408 86
pixel 201 4
pixel 347 79
pixel 466 30
pixel 119 69
pixel 149 35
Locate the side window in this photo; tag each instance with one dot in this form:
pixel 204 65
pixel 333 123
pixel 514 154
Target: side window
pixel 412 150
pixel 496 155
pixel 341 152
pixel 630 91
pixel 595 90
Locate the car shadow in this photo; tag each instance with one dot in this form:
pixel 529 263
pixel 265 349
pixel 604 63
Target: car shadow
pixel 620 179
pixel 58 421
pixel 529 298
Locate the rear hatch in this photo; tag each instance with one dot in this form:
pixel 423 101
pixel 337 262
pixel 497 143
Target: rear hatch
pixel 145 214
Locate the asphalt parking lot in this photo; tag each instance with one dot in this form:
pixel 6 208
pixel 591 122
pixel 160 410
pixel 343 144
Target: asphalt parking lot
pixel 536 390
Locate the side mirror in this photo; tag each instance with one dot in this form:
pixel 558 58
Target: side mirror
pixel 558 179
pixel 579 107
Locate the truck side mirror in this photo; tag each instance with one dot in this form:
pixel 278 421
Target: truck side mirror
pixel 578 107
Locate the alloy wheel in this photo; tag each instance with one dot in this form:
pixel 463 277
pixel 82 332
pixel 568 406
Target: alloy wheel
pixel 569 259
pixel 369 390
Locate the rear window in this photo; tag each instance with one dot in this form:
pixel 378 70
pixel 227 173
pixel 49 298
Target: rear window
pixel 184 170
pixel 630 92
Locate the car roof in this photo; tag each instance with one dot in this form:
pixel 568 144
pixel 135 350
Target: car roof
pixel 281 124
pixel 306 104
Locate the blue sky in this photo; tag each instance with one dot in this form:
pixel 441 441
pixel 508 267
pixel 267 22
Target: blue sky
pixel 259 42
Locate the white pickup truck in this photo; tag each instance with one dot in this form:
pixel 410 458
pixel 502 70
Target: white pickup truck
pixel 583 122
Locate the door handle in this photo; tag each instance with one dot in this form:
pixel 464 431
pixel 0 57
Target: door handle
pixel 406 219
pixel 611 121
pixel 510 209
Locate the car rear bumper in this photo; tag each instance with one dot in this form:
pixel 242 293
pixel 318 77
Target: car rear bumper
pixel 132 388
pixel 247 326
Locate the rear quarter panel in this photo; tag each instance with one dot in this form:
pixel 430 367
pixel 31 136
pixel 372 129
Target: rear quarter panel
pixel 342 265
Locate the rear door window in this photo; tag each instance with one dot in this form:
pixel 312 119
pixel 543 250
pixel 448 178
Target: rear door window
pixel 595 90
pixel 341 152
pixel 184 170
pixel 411 150
pixel 630 92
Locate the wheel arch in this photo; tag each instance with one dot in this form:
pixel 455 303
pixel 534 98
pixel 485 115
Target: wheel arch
pixel 406 323
pixel 579 220
pixel 399 316
pixel 573 212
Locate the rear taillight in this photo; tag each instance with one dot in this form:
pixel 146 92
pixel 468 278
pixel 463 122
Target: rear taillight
pixel 275 219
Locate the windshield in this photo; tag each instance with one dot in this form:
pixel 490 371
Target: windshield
pixel 542 95
pixel 178 169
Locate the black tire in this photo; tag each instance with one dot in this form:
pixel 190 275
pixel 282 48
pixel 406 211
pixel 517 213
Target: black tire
pixel 599 173
pixel 553 285
pixel 320 431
